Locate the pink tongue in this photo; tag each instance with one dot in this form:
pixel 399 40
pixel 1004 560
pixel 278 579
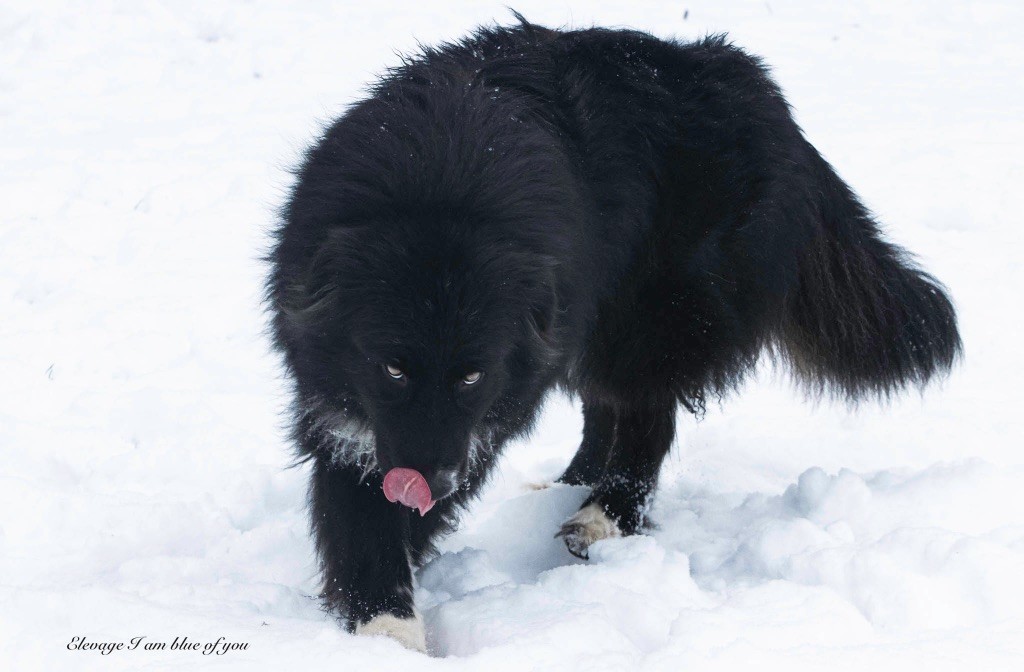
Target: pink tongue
pixel 408 487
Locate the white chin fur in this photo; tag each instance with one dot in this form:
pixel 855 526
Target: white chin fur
pixel 408 632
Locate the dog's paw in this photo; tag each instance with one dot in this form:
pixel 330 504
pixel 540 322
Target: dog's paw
pixel 588 525
pixel 408 632
pixel 537 485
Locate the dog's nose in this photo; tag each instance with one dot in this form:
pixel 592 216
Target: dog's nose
pixel 443 482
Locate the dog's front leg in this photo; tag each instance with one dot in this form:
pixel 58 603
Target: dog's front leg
pixel 363 544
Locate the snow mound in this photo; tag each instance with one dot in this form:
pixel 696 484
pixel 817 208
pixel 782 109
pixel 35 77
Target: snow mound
pixel 144 480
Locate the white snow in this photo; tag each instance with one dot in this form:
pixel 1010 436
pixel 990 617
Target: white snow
pixel 143 482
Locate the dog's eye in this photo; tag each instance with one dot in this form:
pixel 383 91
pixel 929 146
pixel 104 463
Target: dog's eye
pixel 394 372
pixel 472 378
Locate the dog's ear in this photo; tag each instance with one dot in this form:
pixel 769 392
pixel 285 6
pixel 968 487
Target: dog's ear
pixel 315 293
pixel 544 304
pixel 541 295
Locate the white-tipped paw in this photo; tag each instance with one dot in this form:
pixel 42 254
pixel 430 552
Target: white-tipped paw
pixel 409 632
pixel 588 525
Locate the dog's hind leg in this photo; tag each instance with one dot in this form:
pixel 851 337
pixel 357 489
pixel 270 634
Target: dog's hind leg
pixel 590 461
pixel 618 505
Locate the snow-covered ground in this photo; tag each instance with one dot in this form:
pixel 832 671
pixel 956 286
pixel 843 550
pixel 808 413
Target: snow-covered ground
pixel 143 481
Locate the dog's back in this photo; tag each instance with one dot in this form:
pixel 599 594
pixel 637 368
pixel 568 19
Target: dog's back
pixel 714 231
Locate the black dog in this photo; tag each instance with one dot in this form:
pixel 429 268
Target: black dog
pixel 631 219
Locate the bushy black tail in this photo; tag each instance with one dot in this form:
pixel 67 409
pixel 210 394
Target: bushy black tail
pixel 864 320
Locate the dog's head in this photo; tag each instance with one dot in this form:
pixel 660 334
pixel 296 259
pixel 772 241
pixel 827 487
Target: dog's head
pixel 423 346
pixel 416 279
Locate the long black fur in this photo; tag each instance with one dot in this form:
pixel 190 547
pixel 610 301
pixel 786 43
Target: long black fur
pixel 633 219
